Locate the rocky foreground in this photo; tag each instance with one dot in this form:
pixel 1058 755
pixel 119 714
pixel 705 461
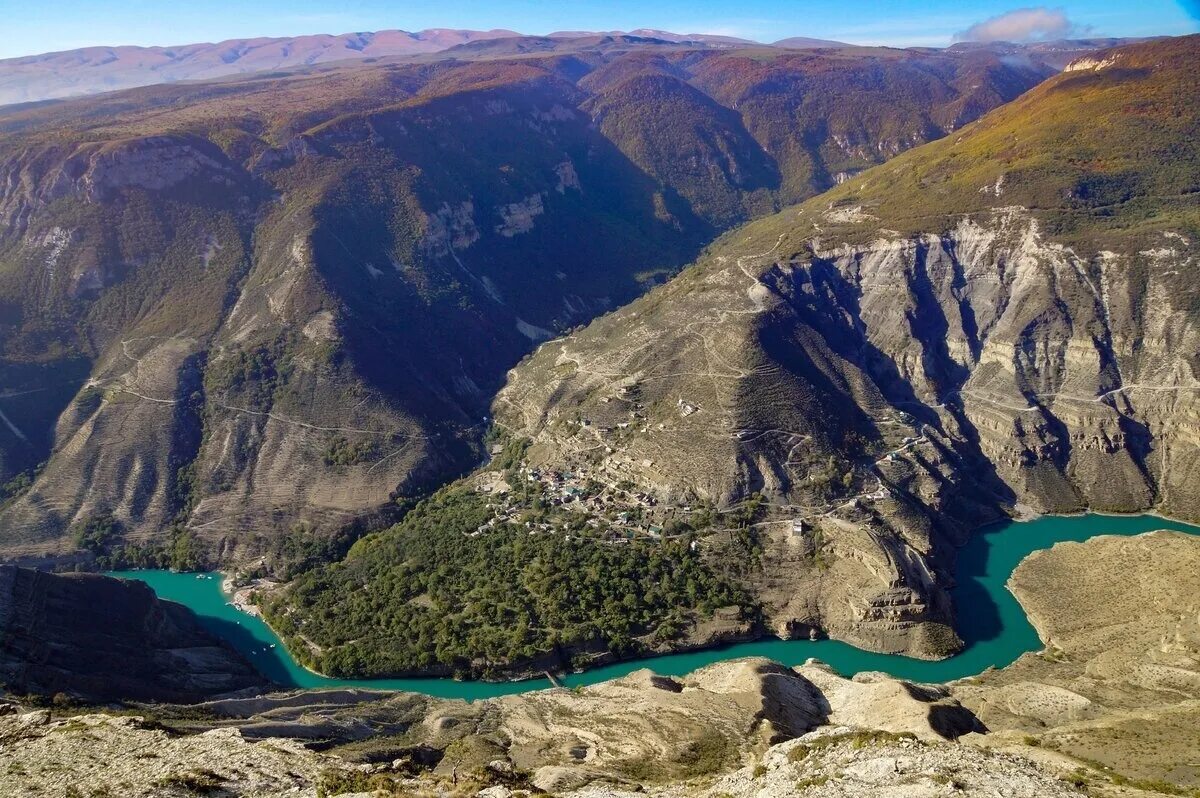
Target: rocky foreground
pixel 142 760
pixel 1118 685
pixel 1111 707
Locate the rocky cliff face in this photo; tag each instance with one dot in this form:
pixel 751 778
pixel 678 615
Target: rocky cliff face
pixel 891 369
pixel 103 639
pixel 257 312
pixel 949 377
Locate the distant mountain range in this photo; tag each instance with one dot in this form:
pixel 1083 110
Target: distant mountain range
pixel 91 70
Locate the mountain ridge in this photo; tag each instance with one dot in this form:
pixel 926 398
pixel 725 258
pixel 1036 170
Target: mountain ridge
pixel 70 73
pixel 929 328
pixel 1000 322
pixel 235 264
pixel 52 75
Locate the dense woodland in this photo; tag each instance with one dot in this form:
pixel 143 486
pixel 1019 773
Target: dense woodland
pixel 433 593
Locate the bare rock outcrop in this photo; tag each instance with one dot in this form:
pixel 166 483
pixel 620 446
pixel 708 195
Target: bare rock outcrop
pixel 840 762
pixel 130 757
pixel 642 729
pixel 1118 683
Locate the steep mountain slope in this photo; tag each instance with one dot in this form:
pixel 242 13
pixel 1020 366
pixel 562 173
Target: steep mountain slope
pixel 102 639
pixel 818 117
pixel 293 317
pixel 259 309
pixel 295 320
pixel 1004 319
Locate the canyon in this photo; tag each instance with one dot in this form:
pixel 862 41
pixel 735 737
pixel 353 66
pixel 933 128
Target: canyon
pixel 555 352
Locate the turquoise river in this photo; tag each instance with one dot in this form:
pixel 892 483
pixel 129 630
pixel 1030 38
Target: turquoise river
pixel 990 621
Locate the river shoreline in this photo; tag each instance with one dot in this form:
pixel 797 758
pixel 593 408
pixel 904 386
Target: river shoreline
pixel 995 628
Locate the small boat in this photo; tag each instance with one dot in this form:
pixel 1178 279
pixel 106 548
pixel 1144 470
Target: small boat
pixel 272 645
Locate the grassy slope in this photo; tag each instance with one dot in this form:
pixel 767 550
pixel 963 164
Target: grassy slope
pixel 1100 155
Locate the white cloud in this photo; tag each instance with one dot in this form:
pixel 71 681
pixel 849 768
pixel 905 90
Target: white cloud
pixel 1022 25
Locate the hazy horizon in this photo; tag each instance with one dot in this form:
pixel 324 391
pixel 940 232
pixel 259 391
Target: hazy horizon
pixel 72 24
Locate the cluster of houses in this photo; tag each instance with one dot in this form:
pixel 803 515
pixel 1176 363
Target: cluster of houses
pixel 620 513
pixel 568 487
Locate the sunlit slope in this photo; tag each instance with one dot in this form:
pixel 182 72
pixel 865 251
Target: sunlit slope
pixel 256 310
pixel 1001 321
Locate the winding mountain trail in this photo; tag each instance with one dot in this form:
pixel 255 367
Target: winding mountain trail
pixel 712 359
pixel 759 304
pixel 13 428
pixel 156 400
pixel 1097 399
pixel 293 422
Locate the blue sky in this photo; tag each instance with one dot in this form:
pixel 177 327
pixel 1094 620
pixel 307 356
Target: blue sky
pixel 30 27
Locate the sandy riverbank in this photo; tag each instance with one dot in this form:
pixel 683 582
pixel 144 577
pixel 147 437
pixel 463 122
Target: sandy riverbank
pixel 241 596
